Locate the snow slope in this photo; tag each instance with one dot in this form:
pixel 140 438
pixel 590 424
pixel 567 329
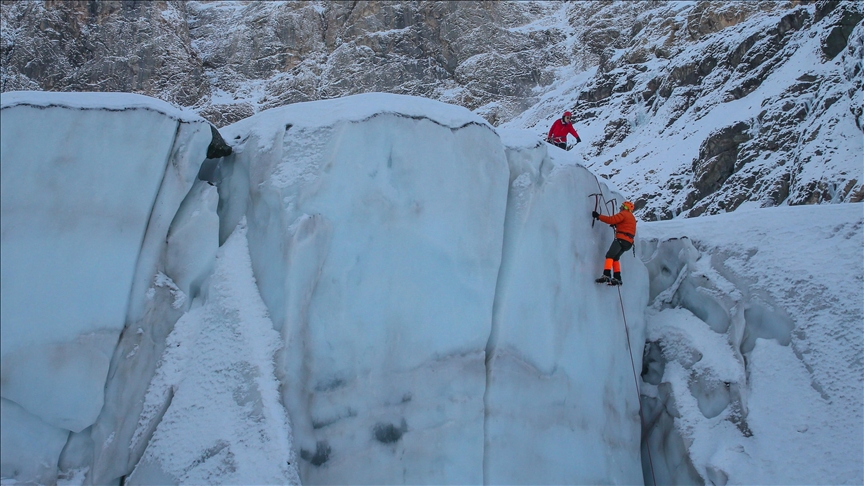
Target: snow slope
pixel 232 418
pixel 766 383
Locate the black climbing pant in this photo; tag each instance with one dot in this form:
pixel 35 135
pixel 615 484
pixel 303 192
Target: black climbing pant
pixel 618 248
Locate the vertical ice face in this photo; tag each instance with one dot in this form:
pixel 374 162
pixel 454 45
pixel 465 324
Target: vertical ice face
pixel 30 447
pixel 436 298
pixel 427 289
pixel 376 240
pixel 84 180
pixel 562 403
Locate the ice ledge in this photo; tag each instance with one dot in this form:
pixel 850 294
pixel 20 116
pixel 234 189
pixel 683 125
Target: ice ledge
pixel 96 101
pixel 361 107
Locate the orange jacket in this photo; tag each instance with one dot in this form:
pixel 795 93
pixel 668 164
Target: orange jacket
pixel 624 223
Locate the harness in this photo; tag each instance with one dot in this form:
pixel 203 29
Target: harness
pixel 632 237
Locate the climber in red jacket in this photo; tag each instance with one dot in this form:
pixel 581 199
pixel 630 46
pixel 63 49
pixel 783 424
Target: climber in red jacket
pixel 625 232
pixel 559 130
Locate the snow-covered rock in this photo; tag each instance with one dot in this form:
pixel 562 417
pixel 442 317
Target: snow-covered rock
pixel 657 87
pixel 106 46
pixel 704 106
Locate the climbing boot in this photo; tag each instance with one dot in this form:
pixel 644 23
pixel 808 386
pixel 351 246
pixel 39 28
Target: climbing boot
pixel 606 277
pixel 615 281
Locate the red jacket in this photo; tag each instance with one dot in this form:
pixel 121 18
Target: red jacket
pixel 558 132
pixel 624 223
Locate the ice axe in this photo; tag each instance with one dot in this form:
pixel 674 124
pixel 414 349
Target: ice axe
pixel 597 196
pixel 596 205
pixel 614 202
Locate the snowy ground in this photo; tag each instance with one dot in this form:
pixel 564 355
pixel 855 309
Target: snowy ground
pixel 224 418
pixel 795 282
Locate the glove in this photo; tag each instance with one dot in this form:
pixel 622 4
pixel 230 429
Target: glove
pixel 595 215
pixel 578 140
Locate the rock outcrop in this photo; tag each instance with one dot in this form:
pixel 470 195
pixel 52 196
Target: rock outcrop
pixel 139 47
pixel 630 71
pixel 232 59
pixel 674 71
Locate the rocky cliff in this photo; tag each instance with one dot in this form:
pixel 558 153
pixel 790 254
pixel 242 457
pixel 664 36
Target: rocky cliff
pixel 630 70
pixel 798 68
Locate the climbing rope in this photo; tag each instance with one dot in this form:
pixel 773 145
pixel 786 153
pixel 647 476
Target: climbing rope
pixel 630 351
pixel 636 382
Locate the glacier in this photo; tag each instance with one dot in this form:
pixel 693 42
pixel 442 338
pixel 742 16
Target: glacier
pixel 386 289
pixel 392 283
pixel 415 298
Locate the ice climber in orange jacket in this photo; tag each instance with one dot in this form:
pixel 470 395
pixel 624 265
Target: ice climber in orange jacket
pixel 559 130
pixel 625 231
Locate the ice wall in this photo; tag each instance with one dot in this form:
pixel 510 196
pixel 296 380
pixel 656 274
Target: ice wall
pixel 383 238
pixel 430 281
pixel 89 185
pixel 560 377
pixel 376 241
